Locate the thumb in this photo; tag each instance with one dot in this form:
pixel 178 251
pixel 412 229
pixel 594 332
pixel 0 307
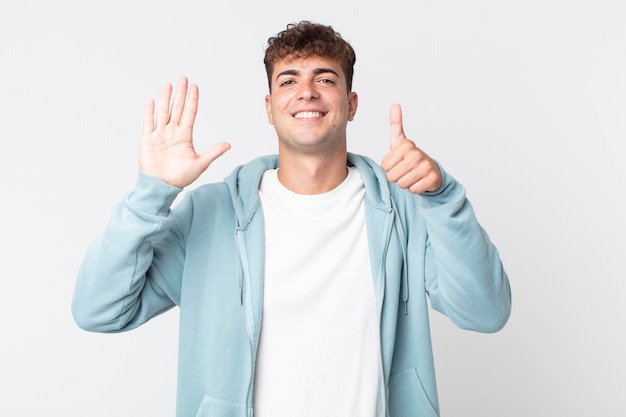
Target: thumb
pixel 213 153
pixel 395 121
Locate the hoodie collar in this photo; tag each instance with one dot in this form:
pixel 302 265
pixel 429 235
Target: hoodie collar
pixel 244 181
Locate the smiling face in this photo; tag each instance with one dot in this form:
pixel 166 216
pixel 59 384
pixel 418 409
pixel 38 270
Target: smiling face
pixel 310 105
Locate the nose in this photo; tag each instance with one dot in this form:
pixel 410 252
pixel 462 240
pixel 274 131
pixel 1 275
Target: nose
pixel 308 90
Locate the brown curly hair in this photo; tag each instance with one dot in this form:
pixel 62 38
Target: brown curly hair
pixel 306 39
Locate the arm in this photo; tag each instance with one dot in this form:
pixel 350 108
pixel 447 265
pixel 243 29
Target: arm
pixel 124 279
pixel 465 278
pixel 132 271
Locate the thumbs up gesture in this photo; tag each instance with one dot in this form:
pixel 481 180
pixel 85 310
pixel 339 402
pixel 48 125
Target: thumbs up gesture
pixel 406 164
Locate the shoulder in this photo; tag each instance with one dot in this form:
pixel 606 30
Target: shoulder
pixel 212 195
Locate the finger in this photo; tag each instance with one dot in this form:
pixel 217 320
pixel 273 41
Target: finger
pixel 213 153
pixel 179 100
pixel 163 113
pixel 419 176
pixel 397 166
pixel 191 108
pixel 395 122
pixel 429 182
pixel 148 117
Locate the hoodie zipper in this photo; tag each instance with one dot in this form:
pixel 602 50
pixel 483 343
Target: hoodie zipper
pixel 380 310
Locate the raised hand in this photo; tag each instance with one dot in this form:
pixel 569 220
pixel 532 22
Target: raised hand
pixel 406 164
pixel 166 149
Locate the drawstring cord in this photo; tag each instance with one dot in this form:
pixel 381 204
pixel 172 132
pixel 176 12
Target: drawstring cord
pixel 243 263
pixel 397 224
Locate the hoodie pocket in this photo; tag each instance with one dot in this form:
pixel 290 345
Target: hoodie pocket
pixel 407 397
pixel 211 407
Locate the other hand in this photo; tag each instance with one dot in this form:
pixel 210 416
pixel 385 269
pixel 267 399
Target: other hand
pixel 406 164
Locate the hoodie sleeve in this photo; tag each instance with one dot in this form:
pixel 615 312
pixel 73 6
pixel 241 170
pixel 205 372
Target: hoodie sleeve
pixel 465 278
pixel 121 282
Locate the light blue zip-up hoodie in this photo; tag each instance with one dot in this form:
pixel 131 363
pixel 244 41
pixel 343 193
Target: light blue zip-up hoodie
pixel 206 256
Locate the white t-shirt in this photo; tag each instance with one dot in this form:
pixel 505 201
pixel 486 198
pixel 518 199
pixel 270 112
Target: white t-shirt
pixel 319 352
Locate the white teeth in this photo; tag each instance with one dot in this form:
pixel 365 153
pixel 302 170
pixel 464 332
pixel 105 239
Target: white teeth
pixel 307 115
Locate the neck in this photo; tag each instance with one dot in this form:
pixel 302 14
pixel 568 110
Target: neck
pixel 312 174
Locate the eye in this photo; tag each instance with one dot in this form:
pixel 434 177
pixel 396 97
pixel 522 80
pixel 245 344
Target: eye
pixel 326 81
pixel 287 82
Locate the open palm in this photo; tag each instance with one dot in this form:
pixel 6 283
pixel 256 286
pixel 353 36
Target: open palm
pixel 166 149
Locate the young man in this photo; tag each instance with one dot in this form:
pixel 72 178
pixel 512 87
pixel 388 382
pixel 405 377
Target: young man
pixel 302 279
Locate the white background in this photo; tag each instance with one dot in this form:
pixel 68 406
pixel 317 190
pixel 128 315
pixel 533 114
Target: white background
pixel 524 102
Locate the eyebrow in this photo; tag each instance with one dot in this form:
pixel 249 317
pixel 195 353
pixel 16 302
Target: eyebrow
pixel 316 71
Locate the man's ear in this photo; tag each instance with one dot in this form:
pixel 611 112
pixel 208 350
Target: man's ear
pixel 268 108
pixel 353 103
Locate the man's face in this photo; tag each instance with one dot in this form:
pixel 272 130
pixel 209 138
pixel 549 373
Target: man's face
pixel 309 105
